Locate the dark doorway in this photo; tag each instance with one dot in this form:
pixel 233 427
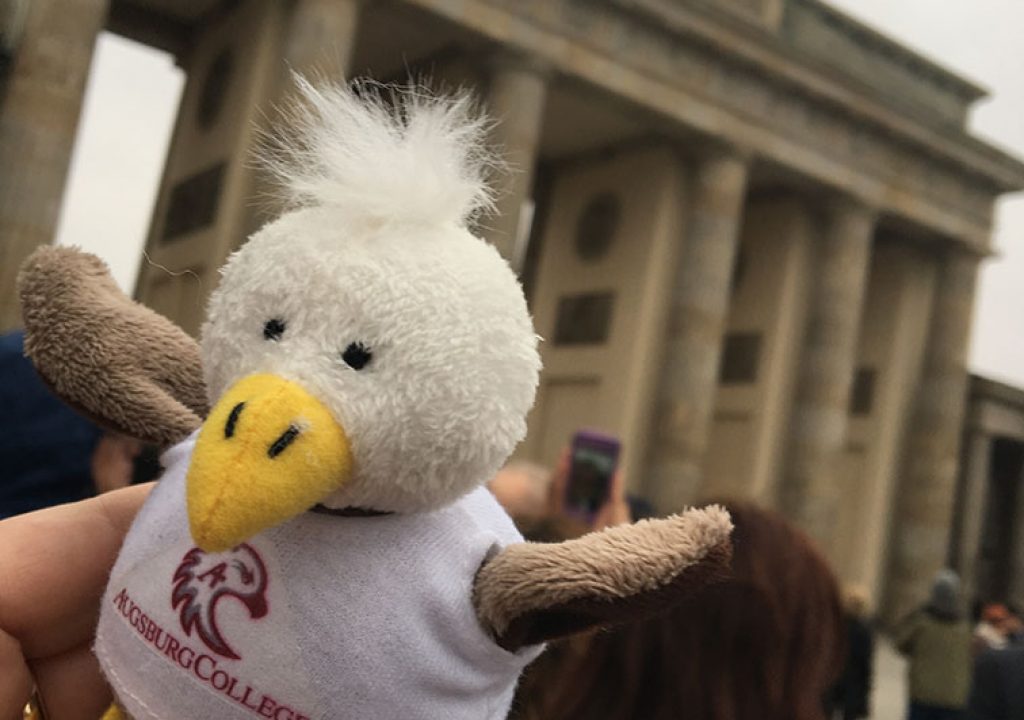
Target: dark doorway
pixel 999 531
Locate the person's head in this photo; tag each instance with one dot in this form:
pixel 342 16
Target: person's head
pixel 765 644
pixel 945 597
pixel 856 599
pixel 995 614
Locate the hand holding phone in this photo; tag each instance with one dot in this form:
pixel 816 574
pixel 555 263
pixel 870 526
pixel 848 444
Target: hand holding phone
pixel 593 461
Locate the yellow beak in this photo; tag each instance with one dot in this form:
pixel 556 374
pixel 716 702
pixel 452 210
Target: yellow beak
pixel 268 451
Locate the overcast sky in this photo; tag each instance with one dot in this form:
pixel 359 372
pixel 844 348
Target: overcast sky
pixel 130 105
pixel 133 95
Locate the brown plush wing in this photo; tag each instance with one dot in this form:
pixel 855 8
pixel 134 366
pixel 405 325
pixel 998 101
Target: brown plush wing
pixel 532 592
pixel 127 367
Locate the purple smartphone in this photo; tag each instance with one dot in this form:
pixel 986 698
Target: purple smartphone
pixel 592 462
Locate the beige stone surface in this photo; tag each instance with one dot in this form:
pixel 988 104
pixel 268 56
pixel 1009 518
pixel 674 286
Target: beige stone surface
pixel 769 300
pixel 924 508
pixel 697 321
pixel 312 37
pixel 182 268
pixel 891 341
pixel 739 88
pixel 515 100
pixel 968 524
pixel 608 385
pixel 320 36
pixel 808 491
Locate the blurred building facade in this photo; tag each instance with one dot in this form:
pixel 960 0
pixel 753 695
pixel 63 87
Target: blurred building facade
pixel 987 542
pixel 749 229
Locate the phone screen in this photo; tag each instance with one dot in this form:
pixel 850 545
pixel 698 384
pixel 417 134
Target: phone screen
pixel 593 460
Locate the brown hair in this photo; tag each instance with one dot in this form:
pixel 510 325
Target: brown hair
pixel 766 644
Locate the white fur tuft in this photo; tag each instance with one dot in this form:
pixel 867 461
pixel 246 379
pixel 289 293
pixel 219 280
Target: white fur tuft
pixel 383 153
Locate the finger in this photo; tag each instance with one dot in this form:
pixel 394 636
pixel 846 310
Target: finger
pixel 559 483
pixel 617 491
pixel 612 513
pixel 15 678
pixel 54 566
pixel 71 685
pixel 619 514
pixel 112 462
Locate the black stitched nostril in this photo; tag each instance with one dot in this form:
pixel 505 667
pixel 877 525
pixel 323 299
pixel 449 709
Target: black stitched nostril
pixel 282 443
pixel 229 426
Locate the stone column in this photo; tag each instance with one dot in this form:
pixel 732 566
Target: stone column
pixel 321 36
pixel 697 319
pixel 1016 563
pixel 38 121
pixel 808 490
pixel 921 524
pixel 970 513
pixel 318 41
pixel 518 90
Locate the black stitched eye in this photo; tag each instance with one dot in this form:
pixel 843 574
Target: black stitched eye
pixel 357 356
pixel 273 329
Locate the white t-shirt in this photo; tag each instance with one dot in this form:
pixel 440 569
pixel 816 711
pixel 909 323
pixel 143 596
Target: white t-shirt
pixel 368 618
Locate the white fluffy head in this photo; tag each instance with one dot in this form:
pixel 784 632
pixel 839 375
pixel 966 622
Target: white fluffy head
pixel 386 154
pixel 379 255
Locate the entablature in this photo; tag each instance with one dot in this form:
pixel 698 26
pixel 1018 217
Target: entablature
pixel 735 82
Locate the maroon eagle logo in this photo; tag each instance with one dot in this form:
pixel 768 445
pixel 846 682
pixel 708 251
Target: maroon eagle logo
pixel 203 579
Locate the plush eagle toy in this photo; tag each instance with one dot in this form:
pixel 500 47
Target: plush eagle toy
pixel 321 544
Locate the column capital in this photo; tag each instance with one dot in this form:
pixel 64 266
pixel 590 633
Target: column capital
pixel 720 177
pixel 509 60
pixel 722 152
pixel 359 4
pixel 845 204
pixel 320 36
pixel 966 256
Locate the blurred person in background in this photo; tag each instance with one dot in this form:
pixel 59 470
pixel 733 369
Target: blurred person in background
pixel 50 454
pixel 534 497
pixel 46 448
pixel 544 519
pixel 990 632
pixel 997 686
pixel 936 640
pixel 765 644
pixel 851 698
pixel 1014 629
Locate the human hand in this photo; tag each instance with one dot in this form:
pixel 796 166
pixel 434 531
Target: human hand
pixel 112 461
pixel 54 566
pixel 1012 626
pixel 614 511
